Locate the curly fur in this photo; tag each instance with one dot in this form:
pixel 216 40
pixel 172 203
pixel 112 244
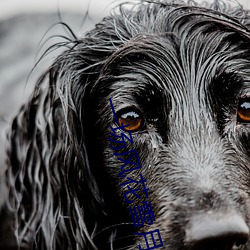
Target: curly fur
pixel 183 66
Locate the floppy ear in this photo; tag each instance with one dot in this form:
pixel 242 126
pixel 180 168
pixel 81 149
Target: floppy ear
pixel 47 170
pixel 52 191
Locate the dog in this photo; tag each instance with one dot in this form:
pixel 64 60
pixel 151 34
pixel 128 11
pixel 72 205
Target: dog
pixel 137 136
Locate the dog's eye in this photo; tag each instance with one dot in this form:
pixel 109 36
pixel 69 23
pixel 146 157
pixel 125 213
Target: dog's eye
pixel 243 113
pixel 131 118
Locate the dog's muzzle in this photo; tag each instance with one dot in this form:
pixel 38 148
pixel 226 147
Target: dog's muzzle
pixel 217 232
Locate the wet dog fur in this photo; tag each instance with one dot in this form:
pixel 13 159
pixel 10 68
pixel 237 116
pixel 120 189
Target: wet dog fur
pixel 184 70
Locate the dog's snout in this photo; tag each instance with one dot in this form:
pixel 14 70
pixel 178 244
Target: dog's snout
pixel 223 232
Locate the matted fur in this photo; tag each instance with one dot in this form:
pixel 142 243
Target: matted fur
pixel 184 67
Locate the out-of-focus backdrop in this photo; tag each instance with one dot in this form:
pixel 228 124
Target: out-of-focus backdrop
pixel 25 27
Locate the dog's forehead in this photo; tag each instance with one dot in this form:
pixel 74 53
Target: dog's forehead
pixel 189 52
pixel 166 65
pixel 182 59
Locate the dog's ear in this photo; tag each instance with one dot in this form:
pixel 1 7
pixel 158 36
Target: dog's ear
pixel 46 170
pixel 49 176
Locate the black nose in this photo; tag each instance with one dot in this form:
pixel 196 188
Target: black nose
pixel 216 232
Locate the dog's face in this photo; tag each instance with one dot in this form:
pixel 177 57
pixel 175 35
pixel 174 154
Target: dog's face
pixel 179 81
pixel 184 88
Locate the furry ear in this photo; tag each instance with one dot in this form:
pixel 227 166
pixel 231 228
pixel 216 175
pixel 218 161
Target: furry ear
pixel 51 186
pixel 42 160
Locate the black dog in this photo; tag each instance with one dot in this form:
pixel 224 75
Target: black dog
pixel 179 80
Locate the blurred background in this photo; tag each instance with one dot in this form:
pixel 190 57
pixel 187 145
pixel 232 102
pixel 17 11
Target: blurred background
pixel 25 29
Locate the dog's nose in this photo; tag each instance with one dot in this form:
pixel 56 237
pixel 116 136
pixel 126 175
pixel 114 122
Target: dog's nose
pixel 217 232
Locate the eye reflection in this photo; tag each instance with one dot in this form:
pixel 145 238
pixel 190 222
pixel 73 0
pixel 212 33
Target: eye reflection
pixel 243 112
pixel 131 118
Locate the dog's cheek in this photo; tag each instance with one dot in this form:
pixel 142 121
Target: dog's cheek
pixel 242 140
pixel 120 168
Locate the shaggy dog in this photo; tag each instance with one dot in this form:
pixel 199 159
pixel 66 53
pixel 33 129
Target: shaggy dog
pixel 171 81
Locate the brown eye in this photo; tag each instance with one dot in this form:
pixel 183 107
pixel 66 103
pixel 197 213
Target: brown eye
pixel 243 113
pixel 131 118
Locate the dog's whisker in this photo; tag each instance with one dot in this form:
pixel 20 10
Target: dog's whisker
pixel 112 226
